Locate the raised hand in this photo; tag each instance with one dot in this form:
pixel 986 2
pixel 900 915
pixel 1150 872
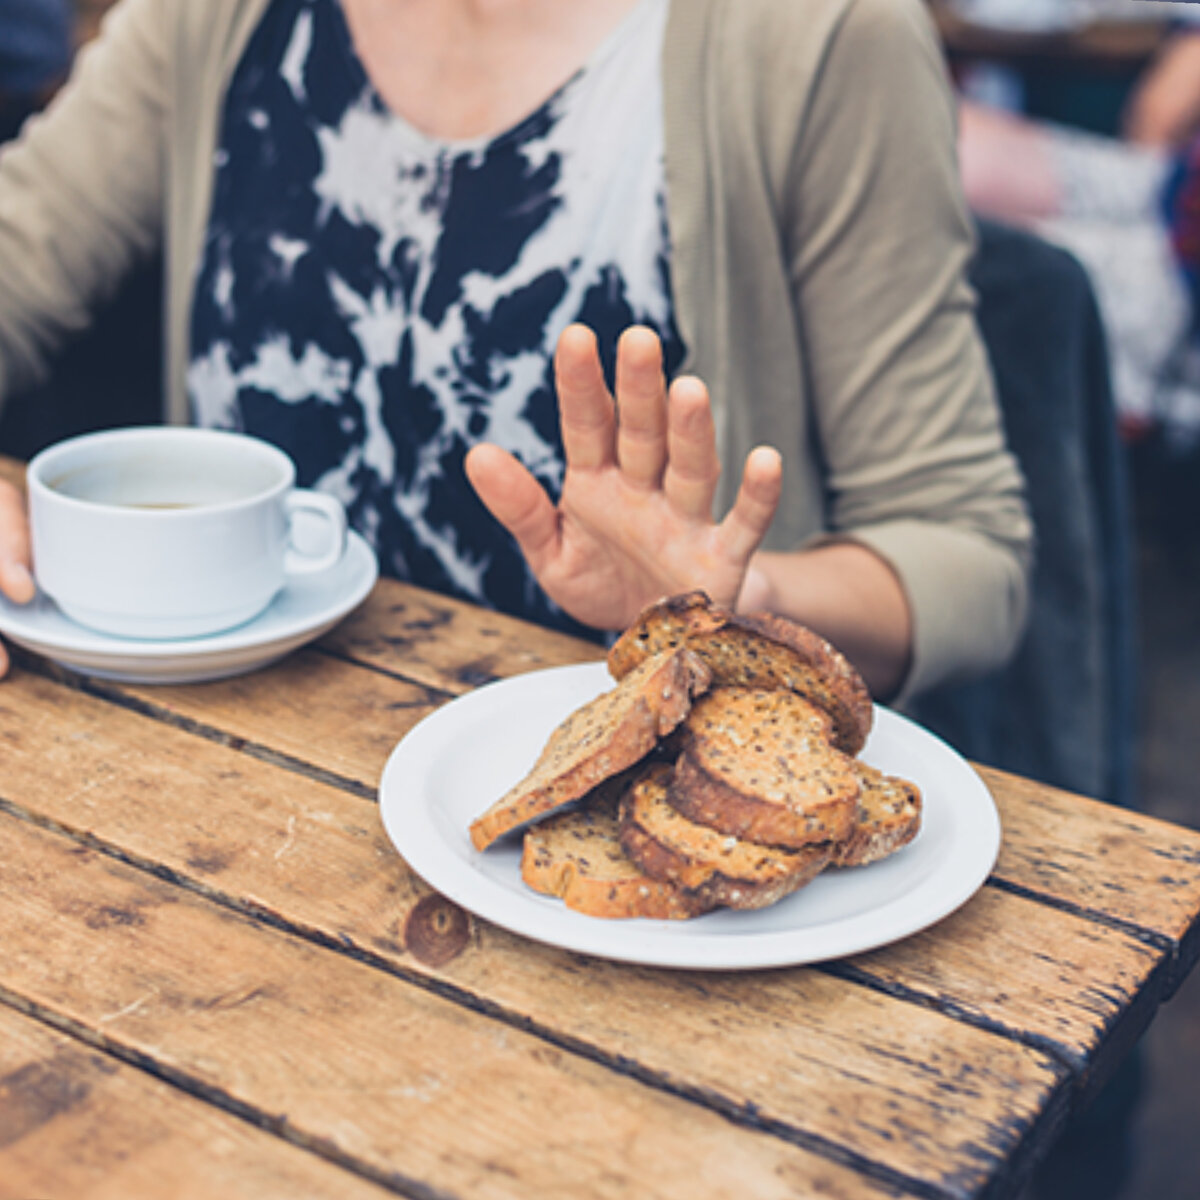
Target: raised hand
pixel 634 521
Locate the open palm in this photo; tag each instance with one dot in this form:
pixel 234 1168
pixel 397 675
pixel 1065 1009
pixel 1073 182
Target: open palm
pixel 634 520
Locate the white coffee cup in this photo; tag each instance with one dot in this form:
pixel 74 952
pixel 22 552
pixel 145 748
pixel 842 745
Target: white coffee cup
pixel 173 532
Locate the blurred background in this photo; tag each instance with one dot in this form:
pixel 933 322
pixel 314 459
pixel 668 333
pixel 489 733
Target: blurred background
pixel 1128 73
pixel 1080 151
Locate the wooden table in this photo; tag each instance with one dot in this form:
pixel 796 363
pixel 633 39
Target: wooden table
pixel 219 980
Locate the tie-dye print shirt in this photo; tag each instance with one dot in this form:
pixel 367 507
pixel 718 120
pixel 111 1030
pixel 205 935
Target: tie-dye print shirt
pixel 376 301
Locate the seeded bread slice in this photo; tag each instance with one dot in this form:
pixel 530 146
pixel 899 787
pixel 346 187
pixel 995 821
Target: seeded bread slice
pixel 725 870
pixel 599 740
pixel 758 765
pixel 889 816
pixel 763 651
pixel 577 857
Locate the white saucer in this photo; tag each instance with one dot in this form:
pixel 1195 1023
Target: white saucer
pixel 304 610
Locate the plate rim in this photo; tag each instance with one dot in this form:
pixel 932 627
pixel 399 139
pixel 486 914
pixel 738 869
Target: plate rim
pixel 641 941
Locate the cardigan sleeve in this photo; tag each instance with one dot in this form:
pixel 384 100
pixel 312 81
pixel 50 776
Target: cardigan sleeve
pixel 81 192
pixel 906 415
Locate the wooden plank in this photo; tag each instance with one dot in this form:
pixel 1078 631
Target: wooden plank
pixel 78 1123
pixel 1033 967
pixel 446 644
pixel 1075 852
pixel 1101 859
pixel 317 859
pixel 309 708
pixel 1079 988
pixel 323 709
pixel 334 1053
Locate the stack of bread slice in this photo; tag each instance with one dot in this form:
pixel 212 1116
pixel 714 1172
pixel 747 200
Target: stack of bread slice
pixel 721 770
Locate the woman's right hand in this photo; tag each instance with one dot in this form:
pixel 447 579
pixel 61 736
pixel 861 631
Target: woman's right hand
pixel 16 578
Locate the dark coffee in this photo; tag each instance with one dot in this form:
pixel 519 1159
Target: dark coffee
pixel 164 504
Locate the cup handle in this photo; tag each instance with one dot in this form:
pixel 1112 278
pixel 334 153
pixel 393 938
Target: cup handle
pixel 332 513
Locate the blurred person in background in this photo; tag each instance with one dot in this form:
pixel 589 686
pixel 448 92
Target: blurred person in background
pixel 1124 201
pixel 1129 209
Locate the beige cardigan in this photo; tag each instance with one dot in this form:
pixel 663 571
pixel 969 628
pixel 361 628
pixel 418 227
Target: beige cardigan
pixel 819 250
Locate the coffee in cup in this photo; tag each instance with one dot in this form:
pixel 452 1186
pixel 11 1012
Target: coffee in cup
pixel 173 532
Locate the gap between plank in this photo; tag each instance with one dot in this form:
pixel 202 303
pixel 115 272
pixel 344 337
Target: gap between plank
pixel 145 708
pixel 1180 962
pixel 115 696
pixel 746 1116
pixel 279 1126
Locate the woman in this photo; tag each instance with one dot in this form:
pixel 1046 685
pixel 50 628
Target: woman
pixel 385 220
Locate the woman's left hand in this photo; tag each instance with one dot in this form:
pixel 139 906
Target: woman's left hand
pixel 634 521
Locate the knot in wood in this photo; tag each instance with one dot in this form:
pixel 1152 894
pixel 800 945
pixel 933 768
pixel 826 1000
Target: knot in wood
pixel 436 931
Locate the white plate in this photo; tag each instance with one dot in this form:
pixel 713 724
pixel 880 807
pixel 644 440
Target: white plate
pixel 464 756
pixel 305 609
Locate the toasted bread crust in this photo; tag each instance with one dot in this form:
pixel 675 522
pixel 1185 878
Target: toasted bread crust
pixel 577 857
pixel 708 801
pixel 599 740
pixel 889 817
pixel 758 765
pixel 753 651
pixel 725 870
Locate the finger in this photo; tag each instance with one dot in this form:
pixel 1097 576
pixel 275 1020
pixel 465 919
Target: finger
pixel 746 524
pixel 4 662
pixel 516 499
pixel 641 408
pixel 586 413
pixel 693 466
pixel 16 581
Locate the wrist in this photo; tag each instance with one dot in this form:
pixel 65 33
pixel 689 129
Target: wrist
pixel 757 593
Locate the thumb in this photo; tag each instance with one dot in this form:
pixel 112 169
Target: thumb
pixel 512 495
pixel 16 582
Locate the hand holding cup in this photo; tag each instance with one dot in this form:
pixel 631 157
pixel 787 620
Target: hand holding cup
pixel 165 532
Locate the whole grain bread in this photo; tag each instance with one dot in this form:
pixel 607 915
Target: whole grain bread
pixel 577 856
pixel 762 651
pixel 599 740
pixel 721 869
pixel 759 765
pixel 889 816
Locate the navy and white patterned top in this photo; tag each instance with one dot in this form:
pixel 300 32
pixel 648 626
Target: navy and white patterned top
pixel 376 301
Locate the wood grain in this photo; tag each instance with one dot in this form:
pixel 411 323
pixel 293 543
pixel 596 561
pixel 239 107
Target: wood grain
pixel 1101 859
pixel 315 858
pixel 112 1132
pixel 228 914
pixel 310 708
pixel 342 1057
pixel 446 644
pixel 320 707
pixel 1053 846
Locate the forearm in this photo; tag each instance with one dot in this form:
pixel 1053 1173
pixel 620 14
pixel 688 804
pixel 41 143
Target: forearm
pixel 1007 165
pixel 911 438
pixel 1164 109
pixel 847 594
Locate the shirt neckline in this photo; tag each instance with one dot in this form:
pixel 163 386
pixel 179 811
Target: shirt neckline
pixel 607 48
